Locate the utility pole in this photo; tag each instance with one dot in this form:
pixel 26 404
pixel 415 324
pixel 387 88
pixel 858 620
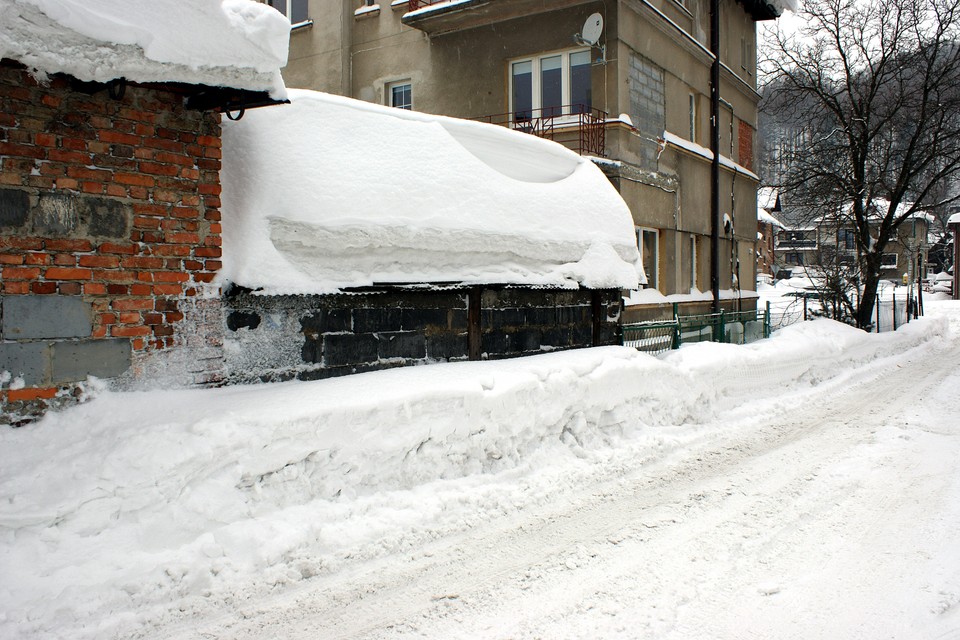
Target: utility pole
pixel 715 148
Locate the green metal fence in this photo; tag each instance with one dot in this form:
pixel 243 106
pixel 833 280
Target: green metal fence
pixel 735 327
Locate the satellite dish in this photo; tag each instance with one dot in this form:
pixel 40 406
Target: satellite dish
pixel 592 29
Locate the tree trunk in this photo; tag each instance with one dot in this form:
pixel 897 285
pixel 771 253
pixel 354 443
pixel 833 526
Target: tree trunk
pixel 868 297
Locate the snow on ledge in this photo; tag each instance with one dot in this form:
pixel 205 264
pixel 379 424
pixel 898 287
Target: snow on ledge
pixel 954 219
pixel 329 193
pixel 703 152
pixel 240 44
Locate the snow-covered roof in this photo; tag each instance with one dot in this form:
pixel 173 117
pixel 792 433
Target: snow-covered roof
pixel 239 44
pixel 703 152
pixel 954 219
pixel 329 193
pixel 767 198
pixel 763 216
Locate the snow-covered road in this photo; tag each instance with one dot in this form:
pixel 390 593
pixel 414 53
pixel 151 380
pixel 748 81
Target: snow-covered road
pixel 807 486
pixel 833 511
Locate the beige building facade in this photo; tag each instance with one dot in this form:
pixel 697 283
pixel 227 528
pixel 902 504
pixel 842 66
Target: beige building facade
pixel 631 89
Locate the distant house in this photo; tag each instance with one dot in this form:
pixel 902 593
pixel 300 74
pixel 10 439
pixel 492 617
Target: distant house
pixel 768 229
pixel 110 236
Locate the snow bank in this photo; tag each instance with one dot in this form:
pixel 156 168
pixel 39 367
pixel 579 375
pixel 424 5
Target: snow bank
pixel 138 508
pixel 328 193
pixel 233 43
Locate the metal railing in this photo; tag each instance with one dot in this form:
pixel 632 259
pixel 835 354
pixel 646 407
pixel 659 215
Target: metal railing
pixel 413 5
pixel 735 327
pixel 586 123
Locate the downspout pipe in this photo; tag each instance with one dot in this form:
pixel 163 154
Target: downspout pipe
pixel 715 148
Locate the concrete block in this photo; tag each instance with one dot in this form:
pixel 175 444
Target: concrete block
pixel 446 346
pixel 55 215
pixel 39 317
pixel 408 344
pixel 14 207
pixel 106 218
pixel 345 348
pixel 27 360
pixel 74 361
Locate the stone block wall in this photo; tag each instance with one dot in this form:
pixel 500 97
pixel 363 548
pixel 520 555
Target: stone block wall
pixel 109 230
pixel 273 338
pixel 647 102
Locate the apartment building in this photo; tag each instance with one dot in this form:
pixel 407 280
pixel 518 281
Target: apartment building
pixel 625 81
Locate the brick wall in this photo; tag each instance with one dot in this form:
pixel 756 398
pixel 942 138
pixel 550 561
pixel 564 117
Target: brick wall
pixel 109 211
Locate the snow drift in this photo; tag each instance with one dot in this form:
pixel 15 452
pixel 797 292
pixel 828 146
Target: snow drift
pixel 329 193
pixel 232 43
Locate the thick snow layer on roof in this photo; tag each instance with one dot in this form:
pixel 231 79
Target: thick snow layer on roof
pixel 763 216
pixel 328 193
pixel 232 43
pixel 954 219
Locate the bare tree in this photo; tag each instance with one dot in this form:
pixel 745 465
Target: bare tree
pixel 874 87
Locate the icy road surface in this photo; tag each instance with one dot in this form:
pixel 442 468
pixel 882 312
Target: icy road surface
pixel 826 509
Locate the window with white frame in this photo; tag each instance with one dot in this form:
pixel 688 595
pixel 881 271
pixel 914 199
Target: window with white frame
pixel 400 95
pixel 551 85
pixel 295 10
pixel 888 260
pixel 693 262
pixel 648 242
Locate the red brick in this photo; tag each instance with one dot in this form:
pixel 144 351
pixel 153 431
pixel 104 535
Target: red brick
pixel 174 250
pixel 51 100
pixel 116 190
pixel 214 265
pixel 141 290
pixel 132 304
pixel 159 169
pixel 182 238
pixel 153 318
pixel 209 141
pixel 174 158
pixel 45 139
pixel 21 150
pixel 29 244
pixel 20 273
pixel 129 332
pixel 118 289
pixel 163 330
pixel 167 289
pixel 67 273
pixel 12 259
pixel 185 212
pixel 130 317
pixel 16 288
pixel 94 289
pixel 83 173
pixel 92 187
pixel 43 288
pixel 37 258
pixel 208 252
pixel 99 332
pixel 72 157
pixel 105 262
pixel 118 138
pixel 65 260
pixel 67 183
pixel 134 179
pixel 31 393
pixel 69 289
pixel 68 245
pixel 108 318
pixel 204 277
pixel 115 276
pixel 170 276
pixel 173 316
pixel 142 262
pixel 112 247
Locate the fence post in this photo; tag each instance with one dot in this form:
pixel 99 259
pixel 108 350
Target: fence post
pixel 894 311
pixel 677 339
pixel 804 308
pixel 723 327
pixel 766 322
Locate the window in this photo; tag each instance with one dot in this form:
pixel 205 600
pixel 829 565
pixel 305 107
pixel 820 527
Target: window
pixel 648 244
pixel 551 85
pixel 295 10
pixel 400 95
pixel 793 258
pixel 747 57
pixel 846 240
pixel 693 118
pixel 693 262
pixel 888 261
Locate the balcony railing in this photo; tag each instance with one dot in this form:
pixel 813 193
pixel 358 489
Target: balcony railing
pixel 577 127
pixel 413 5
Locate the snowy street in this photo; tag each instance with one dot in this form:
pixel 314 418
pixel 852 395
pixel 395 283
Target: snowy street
pixel 804 486
pixel 831 513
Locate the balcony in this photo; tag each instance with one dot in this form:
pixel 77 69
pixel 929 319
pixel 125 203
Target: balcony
pixel 449 16
pixel 577 127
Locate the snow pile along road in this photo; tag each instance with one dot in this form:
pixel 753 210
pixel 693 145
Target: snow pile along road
pixel 138 511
